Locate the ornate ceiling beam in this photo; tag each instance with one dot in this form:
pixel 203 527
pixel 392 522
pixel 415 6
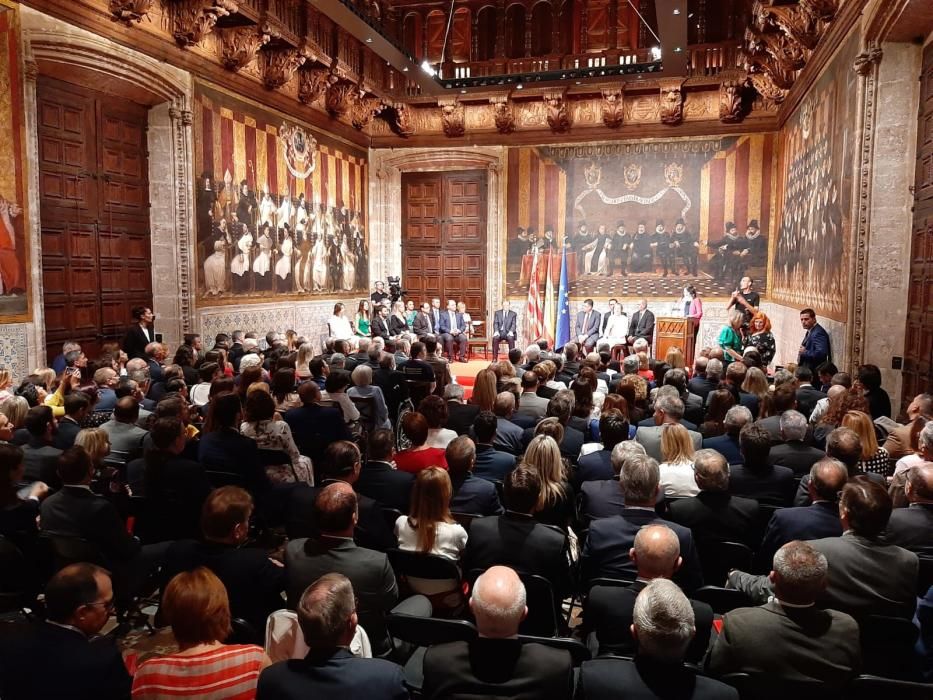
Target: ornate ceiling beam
pixel 614 107
pixel 129 11
pixel 279 65
pixel 672 101
pixel 192 20
pixel 239 46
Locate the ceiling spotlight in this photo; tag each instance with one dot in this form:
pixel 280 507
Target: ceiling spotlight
pixel 518 87
pixel 427 68
pixel 579 82
pixel 690 16
pixel 656 53
pixel 676 10
pixel 463 92
pixel 678 49
pixel 369 40
pixel 405 69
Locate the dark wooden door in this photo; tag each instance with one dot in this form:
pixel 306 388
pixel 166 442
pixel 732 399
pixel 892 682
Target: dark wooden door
pixel 918 351
pixel 444 238
pixel 94 213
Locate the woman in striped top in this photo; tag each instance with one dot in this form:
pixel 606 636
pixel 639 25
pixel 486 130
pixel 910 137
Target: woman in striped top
pixel 196 605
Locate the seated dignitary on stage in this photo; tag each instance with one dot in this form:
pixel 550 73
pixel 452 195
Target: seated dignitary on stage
pixel 663 627
pixel 496 663
pixel 503 329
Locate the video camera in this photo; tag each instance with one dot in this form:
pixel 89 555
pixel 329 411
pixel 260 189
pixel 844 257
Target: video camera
pixel 395 288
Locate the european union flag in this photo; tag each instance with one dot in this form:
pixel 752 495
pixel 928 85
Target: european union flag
pixel 562 337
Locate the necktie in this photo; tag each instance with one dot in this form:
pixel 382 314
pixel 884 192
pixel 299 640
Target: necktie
pixel 586 322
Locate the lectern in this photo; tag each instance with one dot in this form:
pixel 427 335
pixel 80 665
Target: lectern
pixel 674 332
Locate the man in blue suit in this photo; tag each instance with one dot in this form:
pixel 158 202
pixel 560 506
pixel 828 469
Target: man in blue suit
pixel 814 350
pixel 503 329
pixel 471 494
pixel 490 463
pixel 586 328
pixel 452 330
pixel 327 617
pixel 727 445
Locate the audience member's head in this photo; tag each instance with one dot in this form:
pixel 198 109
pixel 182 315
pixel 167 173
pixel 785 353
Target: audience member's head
pixel 560 407
pixel 668 409
pixel 522 490
pixel 639 479
pixel 844 444
pixel 736 419
pixel 381 445
pixel 711 471
pixel 225 515
pixel 484 427
pixel 434 410
pixel 342 461
pixel 827 477
pixel 793 426
pixel 755 445
pixel 864 507
pixel 624 451
pixel 327 613
pixel 613 428
pixel 799 574
pixel 40 423
pixel 195 604
pixel 663 623
pixel 498 603
pixel 81 596
pixel 461 456
pixel 919 485
pixel 656 552
pixel 335 510
pixel 415 428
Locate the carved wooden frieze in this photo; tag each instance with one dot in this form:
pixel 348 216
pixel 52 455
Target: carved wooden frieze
pixel 731 96
pixel 192 20
pixel 866 60
pixel 503 115
pixel 339 97
pixel 766 87
pixel 363 110
pixel 402 121
pixel 239 46
pixel 613 107
pixel 672 100
pixel 312 83
pixel 279 65
pixel 453 118
pixel 129 11
pixel 558 115
pixel 800 22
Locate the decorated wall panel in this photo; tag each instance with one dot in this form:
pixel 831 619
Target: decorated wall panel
pixel 810 266
pixel 281 208
pixel 643 218
pixel 14 251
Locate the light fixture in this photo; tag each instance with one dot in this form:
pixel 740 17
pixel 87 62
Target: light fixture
pixel 678 49
pixel 463 92
pixel 656 53
pixel 518 87
pixel 676 10
pixel 427 68
pixel 369 40
pixel 405 69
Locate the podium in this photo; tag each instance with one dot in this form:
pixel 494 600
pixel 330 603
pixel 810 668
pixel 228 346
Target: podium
pixel 674 332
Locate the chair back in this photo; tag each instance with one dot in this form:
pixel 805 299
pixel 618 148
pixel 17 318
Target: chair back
pixel 543 619
pixel 69 549
pixel 428 631
pixel 721 600
pixel 765 686
pixel 391 515
pixel 578 651
pixel 242 632
pixel 888 646
pixel 420 565
pixel 465 519
pixel 924 575
pixel 18 578
pixel 718 558
pixel 366 405
pixel 418 390
pixel 867 687
pixel 219 477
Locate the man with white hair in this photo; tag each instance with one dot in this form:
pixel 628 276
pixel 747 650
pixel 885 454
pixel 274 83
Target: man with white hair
pixel 702 383
pixel 789 638
pixel 497 664
pixel 668 409
pixel 532 356
pixel 641 327
pixel 460 415
pixel 663 627
pixel 793 452
pixel 603 498
pixel 727 445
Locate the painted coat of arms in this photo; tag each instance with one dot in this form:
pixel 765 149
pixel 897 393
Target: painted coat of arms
pixel 300 150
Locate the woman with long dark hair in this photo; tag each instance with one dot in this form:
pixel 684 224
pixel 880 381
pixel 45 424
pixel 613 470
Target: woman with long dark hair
pixel 718 404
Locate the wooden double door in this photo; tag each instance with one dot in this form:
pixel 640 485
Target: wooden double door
pixel 444 238
pixel 94 213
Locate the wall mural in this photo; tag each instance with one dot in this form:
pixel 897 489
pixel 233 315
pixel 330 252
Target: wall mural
pixel 281 208
pixel 643 218
pixel 14 251
pixel 810 265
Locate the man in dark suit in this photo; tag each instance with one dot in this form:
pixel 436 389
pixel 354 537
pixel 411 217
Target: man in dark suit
pixel 641 325
pixel 327 617
pixel 39 457
pixel 813 522
pixel 509 436
pixel 603 498
pixel 664 625
pixel 845 445
pixel 341 462
pixel 807 394
pixel 77 406
pixel 568 367
pixel 610 540
pixel 423 325
pixel 471 494
pixel 693 403
pixel 530 403
pixel 380 324
pixel 254 582
pixel 715 515
pixel 586 326
pixel 727 445
pixel 63 656
pixel 912 527
pixel 439 365
pixel 755 477
pixel 789 638
pixel 560 408
pixel 597 466
pixel 140 334
pixel 516 539
pixel 503 329
pixel 452 330
pixel 314 427
pixel 815 348
pixel 333 550
pixel 496 663
pixel 490 463
pixel 792 452
pixel 705 381
pixel 608 613
pixel 379 479
pixel 784 398
pixel 460 415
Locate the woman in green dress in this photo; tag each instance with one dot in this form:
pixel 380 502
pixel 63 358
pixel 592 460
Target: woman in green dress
pixel 410 313
pixel 730 338
pixel 362 321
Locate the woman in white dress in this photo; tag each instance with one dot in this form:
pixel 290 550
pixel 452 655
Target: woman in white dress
pixel 318 265
pixel 244 244
pixel 338 325
pixel 348 259
pixel 677 476
pixel 215 269
pixel 283 266
pixel 616 328
pixel 262 263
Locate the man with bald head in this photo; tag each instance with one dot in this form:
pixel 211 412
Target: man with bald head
pixel 497 664
pixel 812 522
pixel 912 527
pixel 845 445
pixel 333 550
pixel 609 609
pixel 898 442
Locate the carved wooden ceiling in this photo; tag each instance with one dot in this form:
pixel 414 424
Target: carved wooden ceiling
pixel 356 60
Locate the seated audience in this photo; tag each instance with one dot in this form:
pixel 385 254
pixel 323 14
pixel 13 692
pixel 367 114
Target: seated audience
pixel 596 466
pixel 663 625
pixel 333 550
pixel 379 479
pixel 497 663
pixel 609 609
pixel 718 403
pixel 222 448
pixel 898 440
pixel 789 638
pixel 253 581
pixel 668 410
pixel 842 444
pixel 603 498
pixel 327 617
pixel 126 438
pixel 40 458
pixel 879 403
pixel 434 410
pixel 471 494
pixel 874 459
pixel 429 528
pixel 196 606
pixel 756 477
pixel 792 452
pixel 922 448
pixel 420 455
pixel 363 387
pixel 676 469
pixel 912 527
pixel 531 403
pixel 807 394
pixel 715 514
pixel 556 505
pixel 560 408
pixel 335 390
pixel 274 435
pixel 313 426
pixel 491 464
pixel 18 513
pixel 77 407
pixel 727 444
pixel 64 655
pixel 460 415
pixel 509 436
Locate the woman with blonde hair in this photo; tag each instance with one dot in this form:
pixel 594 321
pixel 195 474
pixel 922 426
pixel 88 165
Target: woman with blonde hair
pixel 96 443
pixel 556 503
pixel 874 458
pixel 305 355
pixel 675 358
pixel 756 383
pixel 46 376
pixel 730 338
pixel 484 390
pixel 644 370
pixel 15 409
pixel 676 470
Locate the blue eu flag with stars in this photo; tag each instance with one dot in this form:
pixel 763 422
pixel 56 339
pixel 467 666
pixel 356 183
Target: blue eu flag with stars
pixel 562 337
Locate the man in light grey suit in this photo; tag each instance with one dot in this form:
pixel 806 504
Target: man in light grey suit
pixel 668 409
pixel 530 404
pixel 503 329
pixel 586 328
pixel 126 438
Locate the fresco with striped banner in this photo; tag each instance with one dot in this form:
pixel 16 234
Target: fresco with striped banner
pixel 281 207
pixel 644 218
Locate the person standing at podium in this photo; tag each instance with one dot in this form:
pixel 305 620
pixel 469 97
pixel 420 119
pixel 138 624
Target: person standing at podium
pixel 693 308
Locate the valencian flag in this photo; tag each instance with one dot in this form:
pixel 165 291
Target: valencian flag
pixel 562 337
pixel 534 313
pixel 550 304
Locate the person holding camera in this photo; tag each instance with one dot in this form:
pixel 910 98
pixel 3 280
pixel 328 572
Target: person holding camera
pixel 380 295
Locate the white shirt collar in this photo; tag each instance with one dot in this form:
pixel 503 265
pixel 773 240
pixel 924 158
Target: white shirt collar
pixel 785 604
